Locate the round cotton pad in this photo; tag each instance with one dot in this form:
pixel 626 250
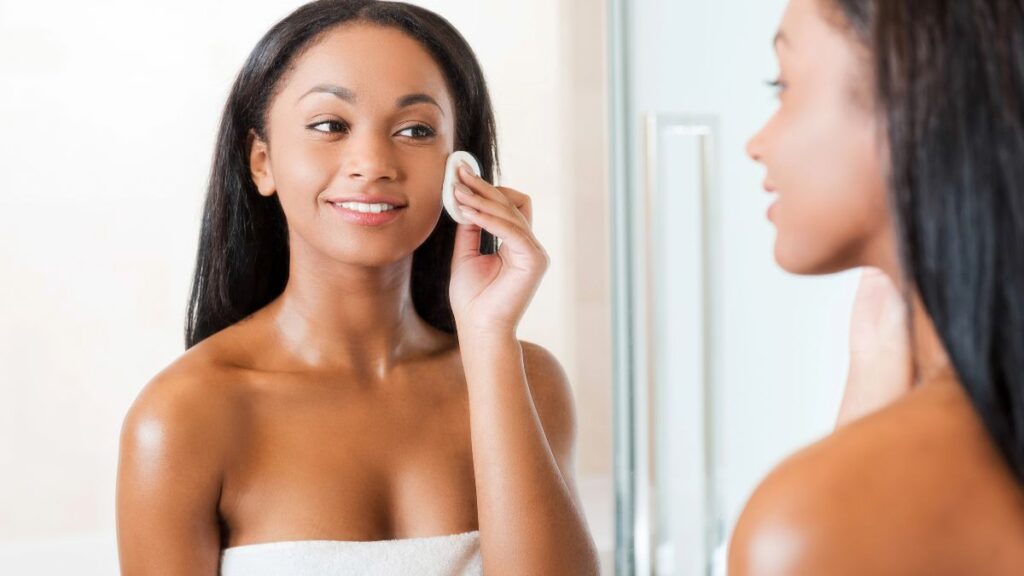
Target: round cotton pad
pixel 451 177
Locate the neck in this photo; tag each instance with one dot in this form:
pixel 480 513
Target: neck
pixel 360 319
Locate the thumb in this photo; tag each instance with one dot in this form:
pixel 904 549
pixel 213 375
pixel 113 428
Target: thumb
pixel 467 243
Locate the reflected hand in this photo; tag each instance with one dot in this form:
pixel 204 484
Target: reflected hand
pixel 881 361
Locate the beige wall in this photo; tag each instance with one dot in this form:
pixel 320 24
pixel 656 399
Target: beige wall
pixel 585 150
pixel 108 113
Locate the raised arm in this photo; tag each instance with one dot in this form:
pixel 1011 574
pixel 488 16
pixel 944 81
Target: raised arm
pixel 521 411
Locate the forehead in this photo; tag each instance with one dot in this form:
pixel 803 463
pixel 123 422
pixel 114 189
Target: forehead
pixel 813 25
pixel 810 38
pixel 370 60
pixel 803 23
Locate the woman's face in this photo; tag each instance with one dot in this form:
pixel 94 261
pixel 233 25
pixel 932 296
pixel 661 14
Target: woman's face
pixel 823 149
pixel 357 138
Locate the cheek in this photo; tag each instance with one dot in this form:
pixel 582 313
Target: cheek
pixel 301 172
pixel 423 188
pixel 424 177
pixel 832 192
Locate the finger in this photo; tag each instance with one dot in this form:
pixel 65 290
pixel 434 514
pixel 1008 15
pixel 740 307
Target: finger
pixel 515 238
pixel 501 194
pixel 876 288
pixel 466 197
pixel 521 201
pixel 480 186
pixel 870 272
pixel 467 242
pixel 875 280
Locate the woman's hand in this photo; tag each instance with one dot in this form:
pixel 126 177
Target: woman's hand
pixel 489 293
pixel 881 361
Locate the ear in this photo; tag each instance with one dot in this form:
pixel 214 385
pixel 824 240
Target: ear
pixel 259 165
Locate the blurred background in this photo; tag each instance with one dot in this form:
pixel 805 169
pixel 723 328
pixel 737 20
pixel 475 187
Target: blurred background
pixel 696 363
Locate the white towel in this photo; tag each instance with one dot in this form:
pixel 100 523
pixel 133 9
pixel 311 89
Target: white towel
pixel 455 555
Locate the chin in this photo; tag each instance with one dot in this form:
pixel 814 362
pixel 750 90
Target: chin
pixel 802 263
pixel 374 255
pixel 791 265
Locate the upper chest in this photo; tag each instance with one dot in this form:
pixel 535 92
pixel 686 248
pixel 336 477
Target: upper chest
pixel 342 460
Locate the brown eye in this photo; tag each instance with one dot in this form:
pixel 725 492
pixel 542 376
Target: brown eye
pixel 329 127
pixel 418 132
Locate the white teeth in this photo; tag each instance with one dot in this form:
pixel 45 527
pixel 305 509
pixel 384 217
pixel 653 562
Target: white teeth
pixel 366 208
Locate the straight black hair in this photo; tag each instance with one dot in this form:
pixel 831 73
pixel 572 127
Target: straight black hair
pixel 242 260
pixel 949 79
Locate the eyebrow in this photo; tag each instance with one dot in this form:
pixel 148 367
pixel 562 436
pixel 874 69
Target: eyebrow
pixel 332 89
pixel 413 99
pixel 349 96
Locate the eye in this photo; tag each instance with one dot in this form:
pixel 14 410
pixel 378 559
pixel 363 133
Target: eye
pixel 778 85
pixel 417 132
pixel 329 127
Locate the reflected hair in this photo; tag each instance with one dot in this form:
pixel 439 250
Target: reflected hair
pixel 242 259
pixel 949 83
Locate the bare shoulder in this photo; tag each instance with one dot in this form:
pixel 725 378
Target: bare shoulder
pixel 541 365
pixel 549 383
pixel 176 441
pixel 916 488
pixel 191 407
pixel 552 395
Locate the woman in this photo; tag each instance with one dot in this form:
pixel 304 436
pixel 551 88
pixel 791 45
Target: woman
pixel 899 144
pixel 352 372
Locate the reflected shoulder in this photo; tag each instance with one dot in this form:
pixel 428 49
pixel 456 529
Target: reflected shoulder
pixel 915 488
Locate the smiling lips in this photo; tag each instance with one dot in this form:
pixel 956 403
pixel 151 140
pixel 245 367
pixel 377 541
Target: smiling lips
pixel 364 207
pixel 769 188
pixel 375 213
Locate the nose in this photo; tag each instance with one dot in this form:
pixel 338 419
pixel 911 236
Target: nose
pixel 370 158
pixel 754 147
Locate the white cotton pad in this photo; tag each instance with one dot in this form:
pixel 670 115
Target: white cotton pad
pixel 451 177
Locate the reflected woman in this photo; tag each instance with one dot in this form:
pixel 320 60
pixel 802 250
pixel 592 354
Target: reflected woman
pixel 898 144
pixel 354 397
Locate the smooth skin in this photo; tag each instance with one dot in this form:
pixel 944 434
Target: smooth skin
pixel 336 412
pixel 909 483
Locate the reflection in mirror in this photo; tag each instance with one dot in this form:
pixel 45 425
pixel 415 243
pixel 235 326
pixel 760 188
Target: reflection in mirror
pixel 864 166
pixel 724 363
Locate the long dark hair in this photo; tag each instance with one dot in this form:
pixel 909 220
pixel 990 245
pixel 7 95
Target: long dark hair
pixel 242 261
pixel 949 77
